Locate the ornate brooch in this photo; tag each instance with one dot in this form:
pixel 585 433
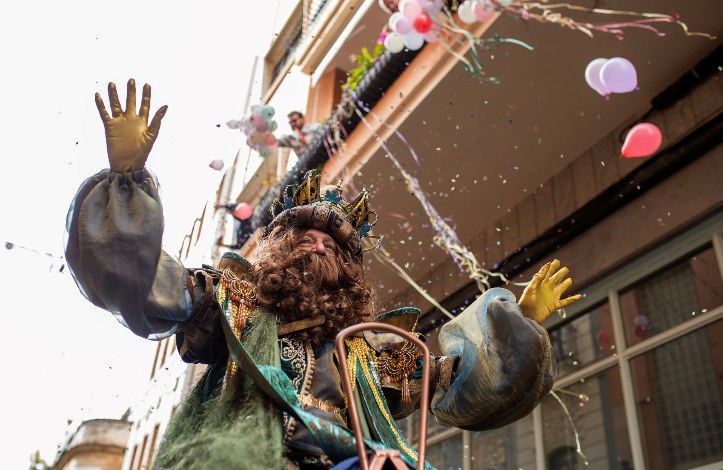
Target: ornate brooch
pixel 398 365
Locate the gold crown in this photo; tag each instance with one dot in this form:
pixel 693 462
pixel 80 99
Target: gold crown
pixel 310 191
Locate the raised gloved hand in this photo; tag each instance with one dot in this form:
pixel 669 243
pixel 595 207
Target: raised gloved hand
pixel 128 136
pixel 543 295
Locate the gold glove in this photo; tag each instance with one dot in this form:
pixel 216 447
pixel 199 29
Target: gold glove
pixel 128 136
pixel 543 295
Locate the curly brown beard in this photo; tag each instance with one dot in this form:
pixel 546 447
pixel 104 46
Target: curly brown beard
pixel 298 284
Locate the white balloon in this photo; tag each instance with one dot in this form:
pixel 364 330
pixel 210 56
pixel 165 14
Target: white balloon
pixel 432 7
pixel 466 15
pixel 393 19
pixel 234 124
pixel 414 41
pixel 394 42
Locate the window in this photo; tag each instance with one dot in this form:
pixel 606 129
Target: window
pixel 143 452
pixel 152 450
pixel 583 340
pixel 640 372
pixel 447 454
pixel 596 407
pixel 679 398
pixel 689 287
pixel 512 446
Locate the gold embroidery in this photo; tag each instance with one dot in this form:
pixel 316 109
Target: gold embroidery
pixel 237 298
pixel 359 350
pixel 310 400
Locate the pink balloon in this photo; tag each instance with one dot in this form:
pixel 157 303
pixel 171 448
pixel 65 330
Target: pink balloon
pixel 261 124
pixel 216 164
pixel 592 76
pixel 243 211
pixel 431 36
pixel 482 10
pixel 411 9
pixel 642 140
pixel 269 139
pixel 402 25
pixel 618 75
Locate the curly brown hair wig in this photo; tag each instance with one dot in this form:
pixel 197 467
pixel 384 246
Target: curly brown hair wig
pixel 299 284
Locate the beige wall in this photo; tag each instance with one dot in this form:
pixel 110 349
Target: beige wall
pixel 98 444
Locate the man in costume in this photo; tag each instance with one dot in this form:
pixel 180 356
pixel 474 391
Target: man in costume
pixel 272 396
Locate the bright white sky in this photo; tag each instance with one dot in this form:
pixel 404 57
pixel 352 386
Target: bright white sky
pixel 63 358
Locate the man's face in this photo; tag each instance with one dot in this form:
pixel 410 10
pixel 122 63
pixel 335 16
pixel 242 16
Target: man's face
pixel 393 5
pixel 296 121
pixel 316 241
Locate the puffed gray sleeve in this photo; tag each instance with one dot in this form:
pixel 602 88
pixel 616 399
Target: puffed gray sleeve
pixel 504 365
pixel 113 249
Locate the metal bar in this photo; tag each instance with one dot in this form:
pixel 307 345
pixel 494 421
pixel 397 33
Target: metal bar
pixel 349 390
pixel 592 369
pixel 718 248
pixel 443 436
pixel 466 450
pixel 674 333
pixel 538 428
pixel 626 379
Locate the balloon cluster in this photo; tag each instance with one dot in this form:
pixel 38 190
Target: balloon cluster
pixel 258 128
pixel 616 75
pixel 413 24
pixel 470 11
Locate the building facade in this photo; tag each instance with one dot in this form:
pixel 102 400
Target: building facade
pixel 97 444
pixel 529 170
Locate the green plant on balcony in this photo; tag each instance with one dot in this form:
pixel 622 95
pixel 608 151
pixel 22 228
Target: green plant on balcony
pixel 365 61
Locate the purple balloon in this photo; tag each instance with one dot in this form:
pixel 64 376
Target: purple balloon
pixel 592 76
pixel 618 75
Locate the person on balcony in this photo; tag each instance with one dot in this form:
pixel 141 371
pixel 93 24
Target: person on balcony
pixel 303 133
pixel 389 6
pixel 271 396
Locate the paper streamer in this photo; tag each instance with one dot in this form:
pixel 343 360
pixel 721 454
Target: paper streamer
pixel 545 13
pixel 445 237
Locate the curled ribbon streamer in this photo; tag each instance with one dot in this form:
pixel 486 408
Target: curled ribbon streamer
pixel 475 67
pixel 578 447
pixel 523 9
pixel 446 238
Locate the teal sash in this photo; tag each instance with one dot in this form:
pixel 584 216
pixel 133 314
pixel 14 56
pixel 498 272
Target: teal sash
pixel 336 441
